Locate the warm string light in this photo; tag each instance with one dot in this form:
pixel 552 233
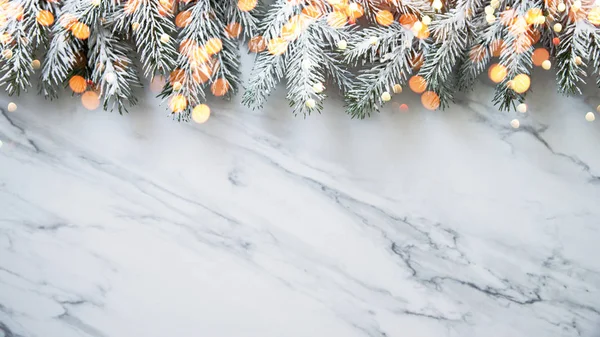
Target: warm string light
pixel 590 117
pixel 247 5
pixel 489 14
pixel 384 17
pixel 77 84
pixel 318 87
pixel 165 38
pixel 5 38
pixel 220 87
pixel 200 113
pixel 110 77
pixel 45 18
pixel 12 107
pixel 539 56
pixel 157 83
pixel 90 100
pixel 546 65
pixel 430 100
pixel 277 46
pixel 594 15
pixel 417 84
pixel 233 30
pixel 257 44
pixel 7 54
pixel 80 30
pixel 521 83
pixel 183 19
pixel 178 103
pixel 557 27
pixel 497 72
pixel 386 97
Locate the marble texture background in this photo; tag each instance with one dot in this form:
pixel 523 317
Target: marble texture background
pixel 257 223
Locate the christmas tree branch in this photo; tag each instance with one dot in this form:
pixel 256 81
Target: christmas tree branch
pixel 113 71
pixel 571 55
pixel 480 53
pixel 365 96
pixel 60 59
pixel 365 44
pixel 147 21
pixel 595 54
pixel 515 57
pixel 303 71
pixel 24 35
pixel 450 31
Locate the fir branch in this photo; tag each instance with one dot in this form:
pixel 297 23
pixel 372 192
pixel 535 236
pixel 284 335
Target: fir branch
pixel 60 60
pixel 37 34
pixel 26 35
pixel 16 71
pixel 268 69
pixel 574 42
pixel 279 13
pixel 515 56
pixel 249 20
pixel 366 45
pixel 193 59
pixel 450 31
pixel 595 54
pixel 479 54
pixel 109 57
pixel 229 57
pixel 107 54
pixel 365 96
pixel 327 38
pixel 308 60
pixel 156 56
pixel 473 65
pixel 198 66
pixel 303 71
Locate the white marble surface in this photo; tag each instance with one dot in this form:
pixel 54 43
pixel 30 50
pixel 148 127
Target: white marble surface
pixel 257 223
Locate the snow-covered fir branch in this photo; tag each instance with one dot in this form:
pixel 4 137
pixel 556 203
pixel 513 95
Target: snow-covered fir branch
pixel 24 34
pixel 147 21
pixel 112 69
pixel 365 96
pixel 450 33
pixel 571 55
